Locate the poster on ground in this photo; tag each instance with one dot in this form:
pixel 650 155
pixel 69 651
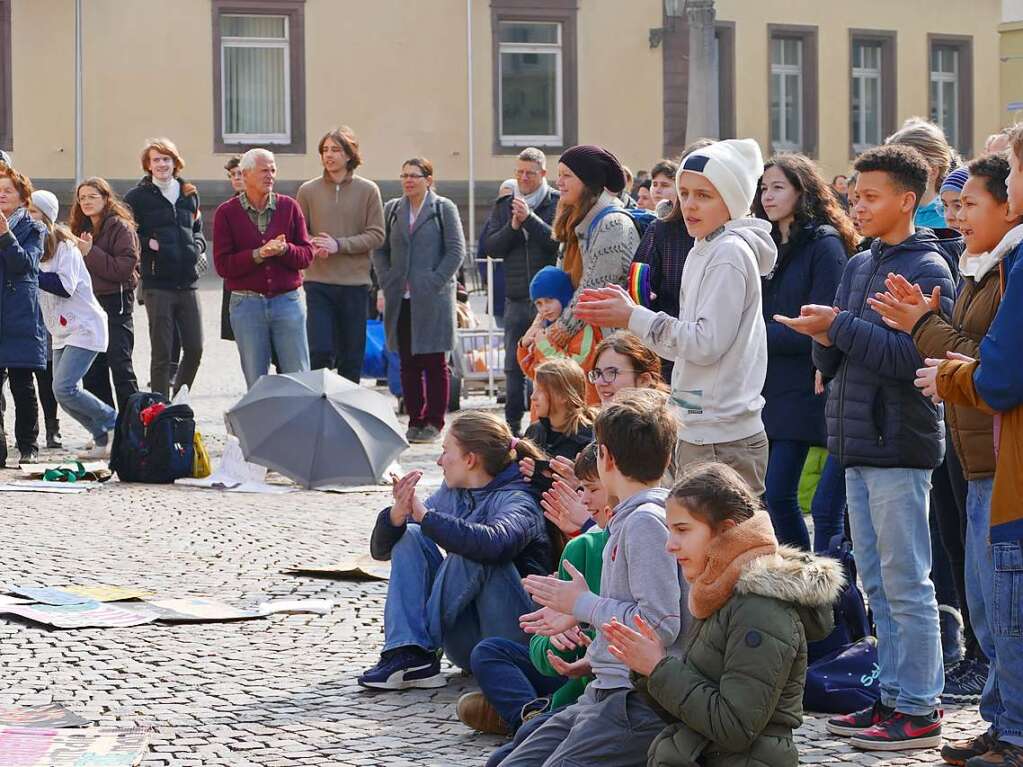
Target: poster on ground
pixel 107 593
pixel 49 595
pixel 48 717
pixel 357 568
pixel 196 610
pixel 90 747
pixel 86 615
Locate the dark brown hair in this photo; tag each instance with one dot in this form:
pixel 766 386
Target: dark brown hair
pixel 112 206
pixel 714 493
pixel 994 169
pixel 21 182
pixel 585 467
pixel 345 137
pixel 905 166
pixel 817 204
pixel 644 361
pixel 639 431
pixel 490 439
pixel 233 162
pixel 664 168
pixel 422 163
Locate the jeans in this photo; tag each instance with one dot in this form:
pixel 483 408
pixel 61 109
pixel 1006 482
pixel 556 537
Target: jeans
pixel 518 316
pixel 259 321
pixel 785 461
pixel 425 378
pixel 26 407
pixel 336 326
pixel 168 309
pixel 892 544
pixel 828 507
pixel 116 361
pixel 70 365
pixel 508 678
pixel 994 590
pixel 449 602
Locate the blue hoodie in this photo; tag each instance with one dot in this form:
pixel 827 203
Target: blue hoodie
pixel 875 414
pixel 501 522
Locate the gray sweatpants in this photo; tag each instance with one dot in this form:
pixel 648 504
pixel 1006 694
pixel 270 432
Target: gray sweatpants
pixel 612 728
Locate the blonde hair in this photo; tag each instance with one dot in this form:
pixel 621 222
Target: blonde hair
pixel 929 140
pixel 564 378
pixel 488 438
pixel 55 234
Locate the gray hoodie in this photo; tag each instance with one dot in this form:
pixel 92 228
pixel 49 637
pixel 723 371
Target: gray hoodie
pixel 719 341
pixel 639 577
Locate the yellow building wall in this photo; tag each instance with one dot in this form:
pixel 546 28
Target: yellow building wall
pixel 912 19
pixel 1011 51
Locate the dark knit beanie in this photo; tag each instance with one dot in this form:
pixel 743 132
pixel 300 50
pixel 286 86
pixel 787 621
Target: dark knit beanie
pixel 596 167
pixel 551 282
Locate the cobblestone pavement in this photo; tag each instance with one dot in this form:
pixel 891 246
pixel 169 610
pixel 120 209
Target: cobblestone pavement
pixel 279 691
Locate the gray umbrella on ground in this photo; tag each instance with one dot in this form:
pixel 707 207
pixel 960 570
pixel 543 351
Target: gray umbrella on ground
pixel 317 428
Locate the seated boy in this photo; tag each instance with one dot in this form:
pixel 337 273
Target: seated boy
pixel 889 439
pixel 719 340
pixel 610 724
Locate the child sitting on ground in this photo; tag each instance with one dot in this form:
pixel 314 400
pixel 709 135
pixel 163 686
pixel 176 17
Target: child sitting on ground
pixel 737 695
pixel 551 291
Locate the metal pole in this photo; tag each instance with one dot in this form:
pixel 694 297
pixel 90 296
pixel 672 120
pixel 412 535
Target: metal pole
pixel 79 135
pixel 472 130
pixel 491 325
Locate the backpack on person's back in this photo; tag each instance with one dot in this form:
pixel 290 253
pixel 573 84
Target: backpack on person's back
pixel 154 441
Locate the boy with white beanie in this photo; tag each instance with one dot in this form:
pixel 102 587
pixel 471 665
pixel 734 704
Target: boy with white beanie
pixel 719 341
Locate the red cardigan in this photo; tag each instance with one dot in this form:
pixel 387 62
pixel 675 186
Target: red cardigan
pixel 235 237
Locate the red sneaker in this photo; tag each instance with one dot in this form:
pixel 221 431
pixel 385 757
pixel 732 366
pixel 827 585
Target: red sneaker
pixel 901 732
pixel 857 722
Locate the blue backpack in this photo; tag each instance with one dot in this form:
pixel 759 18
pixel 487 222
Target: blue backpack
pixel 158 453
pixel 641 218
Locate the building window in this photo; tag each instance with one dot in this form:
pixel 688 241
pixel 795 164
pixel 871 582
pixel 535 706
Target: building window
pixel 793 89
pixel 259 77
pixel 951 89
pixel 531 83
pixel 867 109
pixel 724 65
pixel 534 74
pixel 6 107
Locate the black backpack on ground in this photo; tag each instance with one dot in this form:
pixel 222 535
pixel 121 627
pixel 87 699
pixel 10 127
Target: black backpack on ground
pixel 158 453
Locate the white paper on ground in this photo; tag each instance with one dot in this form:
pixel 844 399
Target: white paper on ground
pixel 40 486
pixel 234 474
pixel 182 397
pixel 317 606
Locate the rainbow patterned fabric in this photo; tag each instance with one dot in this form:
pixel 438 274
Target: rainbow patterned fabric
pixel 639 284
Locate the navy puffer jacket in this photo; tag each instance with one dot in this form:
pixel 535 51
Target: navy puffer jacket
pixel 808 271
pixel 875 415
pixel 22 333
pixel 499 523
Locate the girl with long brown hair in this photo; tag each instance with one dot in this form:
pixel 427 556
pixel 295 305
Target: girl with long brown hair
pixel 815 237
pixel 622 361
pixel 488 522
pixel 105 229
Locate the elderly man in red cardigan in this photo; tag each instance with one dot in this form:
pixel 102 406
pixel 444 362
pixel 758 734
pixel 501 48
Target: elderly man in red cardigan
pixel 260 247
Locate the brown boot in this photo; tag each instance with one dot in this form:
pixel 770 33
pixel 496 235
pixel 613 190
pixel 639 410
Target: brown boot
pixel 476 712
pixel 1002 755
pixel 958 751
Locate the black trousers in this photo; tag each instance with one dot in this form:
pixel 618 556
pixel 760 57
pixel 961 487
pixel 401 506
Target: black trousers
pixel 26 407
pixel 46 398
pixel 115 363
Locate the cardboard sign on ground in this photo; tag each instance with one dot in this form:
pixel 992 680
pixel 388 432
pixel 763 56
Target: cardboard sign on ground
pixel 49 595
pixel 359 568
pixel 107 593
pixel 196 610
pixel 90 747
pixel 86 615
pixel 49 717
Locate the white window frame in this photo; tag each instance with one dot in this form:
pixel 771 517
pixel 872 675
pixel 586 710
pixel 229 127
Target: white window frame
pixel 555 49
pixel 860 75
pixel 783 143
pixel 939 78
pixel 257 42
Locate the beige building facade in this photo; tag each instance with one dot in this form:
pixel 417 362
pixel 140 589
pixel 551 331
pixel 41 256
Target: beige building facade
pixel 827 78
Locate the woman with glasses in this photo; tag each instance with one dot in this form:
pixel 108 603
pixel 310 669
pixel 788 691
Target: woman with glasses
pixel 623 362
pixel 105 230
pixel 416 266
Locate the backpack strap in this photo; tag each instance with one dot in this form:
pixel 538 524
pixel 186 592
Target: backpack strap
pixel 600 217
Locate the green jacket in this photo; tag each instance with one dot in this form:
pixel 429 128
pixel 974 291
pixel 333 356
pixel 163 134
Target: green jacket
pixel 735 698
pixel 585 552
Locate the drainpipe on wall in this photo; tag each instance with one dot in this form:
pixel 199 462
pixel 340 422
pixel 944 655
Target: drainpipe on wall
pixel 79 139
pixel 472 130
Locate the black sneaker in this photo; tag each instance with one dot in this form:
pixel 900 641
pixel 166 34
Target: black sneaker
pixel 901 732
pixel 964 683
pixel 858 721
pixel 29 456
pixel 959 751
pixel 402 668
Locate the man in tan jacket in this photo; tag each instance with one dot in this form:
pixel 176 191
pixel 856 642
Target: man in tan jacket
pixel 346 218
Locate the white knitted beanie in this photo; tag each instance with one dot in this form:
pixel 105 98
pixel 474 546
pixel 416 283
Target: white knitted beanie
pixel 734 167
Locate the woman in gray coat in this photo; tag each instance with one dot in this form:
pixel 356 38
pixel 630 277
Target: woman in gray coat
pixel 416 266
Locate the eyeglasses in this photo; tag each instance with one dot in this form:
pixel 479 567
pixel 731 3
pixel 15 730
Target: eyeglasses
pixel 406 176
pixel 607 375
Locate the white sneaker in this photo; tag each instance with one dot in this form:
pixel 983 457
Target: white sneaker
pixel 98 451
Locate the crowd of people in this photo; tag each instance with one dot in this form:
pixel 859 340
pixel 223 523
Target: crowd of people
pixel 681 356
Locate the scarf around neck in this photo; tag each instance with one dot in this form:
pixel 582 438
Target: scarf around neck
pixel 15 218
pixel 728 554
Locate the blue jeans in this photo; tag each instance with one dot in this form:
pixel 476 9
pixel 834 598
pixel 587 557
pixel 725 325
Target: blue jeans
pixel 785 461
pixel 892 544
pixel 336 325
pixel 70 365
pixel 828 506
pixel 257 321
pixel 994 591
pixel 508 678
pixel 449 602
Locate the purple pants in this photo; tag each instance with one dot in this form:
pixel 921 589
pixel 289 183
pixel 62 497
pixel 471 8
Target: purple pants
pixel 424 377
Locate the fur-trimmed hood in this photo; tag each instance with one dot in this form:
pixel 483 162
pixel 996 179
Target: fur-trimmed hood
pixel 809 582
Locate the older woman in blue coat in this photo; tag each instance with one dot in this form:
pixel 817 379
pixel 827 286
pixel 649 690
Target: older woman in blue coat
pixel 22 334
pixel 416 266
